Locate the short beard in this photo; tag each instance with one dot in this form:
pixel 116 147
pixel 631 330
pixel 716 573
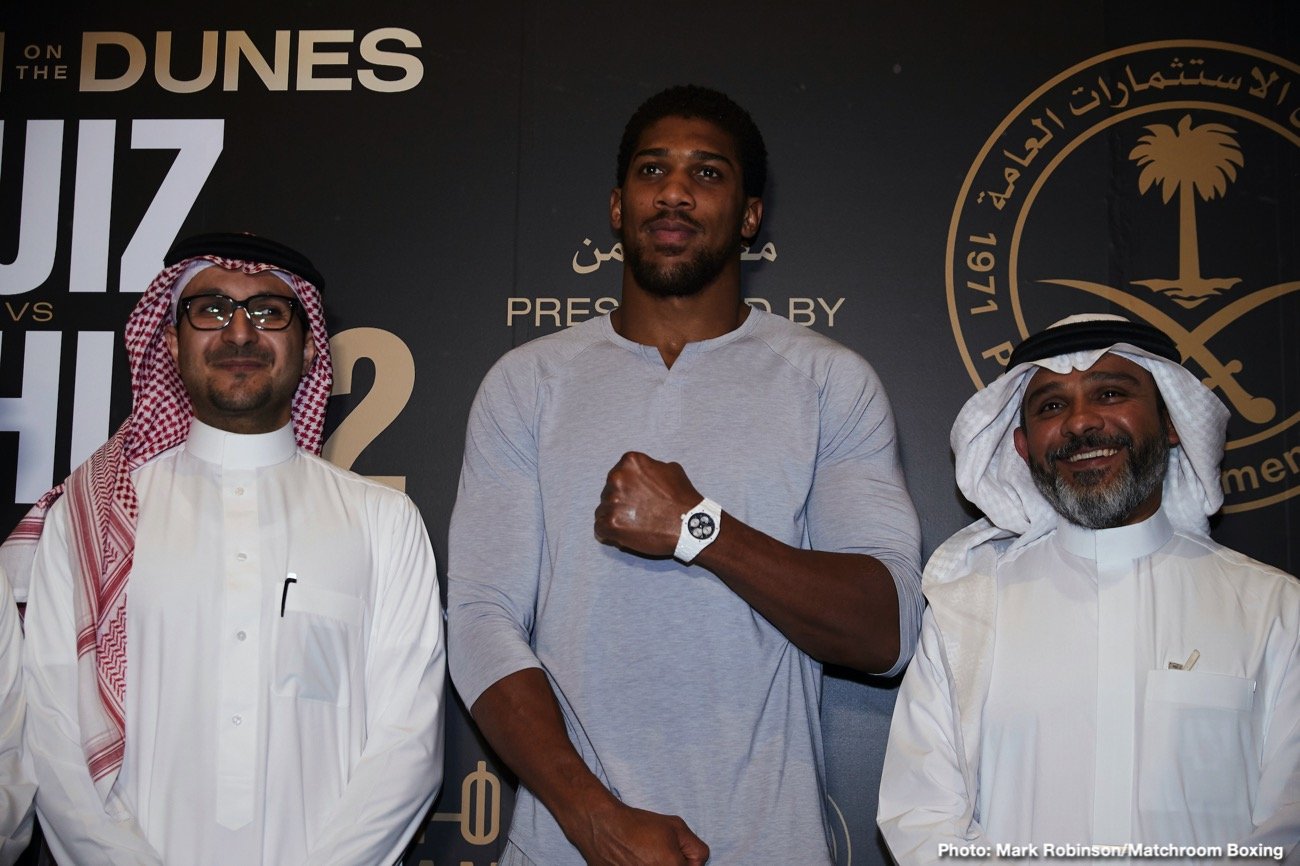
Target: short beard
pixel 243 399
pixel 679 280
pixel 1096 506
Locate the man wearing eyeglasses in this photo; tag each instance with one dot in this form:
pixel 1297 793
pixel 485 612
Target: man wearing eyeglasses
pixel 234 648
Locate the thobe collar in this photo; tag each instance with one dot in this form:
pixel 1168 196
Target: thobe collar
pixel 1119 544
pixel 240 450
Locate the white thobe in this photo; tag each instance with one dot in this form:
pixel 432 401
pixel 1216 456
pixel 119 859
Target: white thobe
pixel 1084 733
pixel 16 787
pixel 285 667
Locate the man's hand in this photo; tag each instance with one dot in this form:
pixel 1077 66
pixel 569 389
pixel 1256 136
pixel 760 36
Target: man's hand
pixel 624 836
pixel 642 505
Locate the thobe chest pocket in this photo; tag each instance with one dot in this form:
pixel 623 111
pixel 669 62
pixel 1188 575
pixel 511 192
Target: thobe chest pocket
pixel 1199 753
pixel 317 644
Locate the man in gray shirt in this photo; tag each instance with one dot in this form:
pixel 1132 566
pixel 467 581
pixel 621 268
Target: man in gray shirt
pixel 653 672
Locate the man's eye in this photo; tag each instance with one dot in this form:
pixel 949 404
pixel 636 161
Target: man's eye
pixel 649 168
pixel 710 172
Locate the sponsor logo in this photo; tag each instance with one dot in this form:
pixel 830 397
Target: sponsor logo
pixel 383 60
pixel 1150 181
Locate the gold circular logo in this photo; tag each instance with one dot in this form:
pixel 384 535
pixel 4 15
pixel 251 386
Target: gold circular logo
pixel 1156 181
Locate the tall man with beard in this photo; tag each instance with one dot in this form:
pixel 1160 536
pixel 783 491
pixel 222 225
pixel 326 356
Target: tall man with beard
pixel 1094 670
pixel 642 640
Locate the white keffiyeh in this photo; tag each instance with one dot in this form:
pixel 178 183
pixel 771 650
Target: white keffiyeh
pixel 993 476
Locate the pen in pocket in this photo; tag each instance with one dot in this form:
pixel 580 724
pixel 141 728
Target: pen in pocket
pixel 284 596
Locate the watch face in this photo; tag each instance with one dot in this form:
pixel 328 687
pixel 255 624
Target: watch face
pixel 701 525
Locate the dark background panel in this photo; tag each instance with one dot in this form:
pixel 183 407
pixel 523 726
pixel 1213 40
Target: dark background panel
pixel 449 217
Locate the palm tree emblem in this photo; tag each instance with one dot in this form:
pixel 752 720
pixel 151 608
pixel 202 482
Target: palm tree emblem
pixel 1194 161
pixel 1191 161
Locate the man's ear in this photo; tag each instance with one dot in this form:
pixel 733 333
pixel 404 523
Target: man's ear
pixel 616 208
pixel 173 343
pixel 752 219
pixel 1168 424
pixel 1022 443
pixel 308 350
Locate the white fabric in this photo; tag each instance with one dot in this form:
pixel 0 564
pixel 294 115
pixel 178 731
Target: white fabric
pixel 16 786
pixel 1040 707
pixel 994 477
pixel 252 737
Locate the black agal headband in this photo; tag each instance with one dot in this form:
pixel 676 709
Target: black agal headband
pixel 1098 334
pixel 246 248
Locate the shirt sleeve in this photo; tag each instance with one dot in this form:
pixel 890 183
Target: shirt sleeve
pixel 496 540
pixel 923 795
pixel 859 501
pixel 16 786
pixel 399 772
pixel 1276 813
pixel 76 823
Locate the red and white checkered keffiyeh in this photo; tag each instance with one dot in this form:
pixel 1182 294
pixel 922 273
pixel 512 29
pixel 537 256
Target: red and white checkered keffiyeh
pixel 103 508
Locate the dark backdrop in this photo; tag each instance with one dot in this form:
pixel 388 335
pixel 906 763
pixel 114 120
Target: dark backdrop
pixel 944 177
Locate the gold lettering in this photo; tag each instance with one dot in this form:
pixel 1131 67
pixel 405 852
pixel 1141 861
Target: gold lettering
pixel 1291 459
pixel 576 310
pixel 1272 470
pixel 309 58
pixel 387 397
pixel 802 311
pixel 1002 352
pixel 1242 476
pixel 547 307
pixel 207 64
pixel 412 68
pixel 135 54
pixel 480 803
pixel 238 44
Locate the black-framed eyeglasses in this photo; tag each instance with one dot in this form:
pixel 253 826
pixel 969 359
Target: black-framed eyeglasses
pixel 214 312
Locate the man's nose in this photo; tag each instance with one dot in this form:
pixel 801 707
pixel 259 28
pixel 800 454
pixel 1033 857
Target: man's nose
pixel 675 192
pixel 240 330
pixel 1083 418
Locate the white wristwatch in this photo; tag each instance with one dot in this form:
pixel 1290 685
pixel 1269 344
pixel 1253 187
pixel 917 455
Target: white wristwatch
pixel 700 528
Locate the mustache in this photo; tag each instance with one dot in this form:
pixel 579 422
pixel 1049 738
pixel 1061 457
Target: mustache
pixel 1087 443
pixel 239 353
pixel 668 215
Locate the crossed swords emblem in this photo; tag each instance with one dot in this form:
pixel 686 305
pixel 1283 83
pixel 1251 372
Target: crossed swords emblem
pixel 1194 343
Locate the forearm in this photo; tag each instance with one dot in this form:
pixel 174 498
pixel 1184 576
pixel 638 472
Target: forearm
pixel 521 720
pixel 839 608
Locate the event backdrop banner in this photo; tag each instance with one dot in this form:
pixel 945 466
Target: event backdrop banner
pixel 945 179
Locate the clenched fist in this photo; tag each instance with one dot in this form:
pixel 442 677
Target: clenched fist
pixel 642 505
